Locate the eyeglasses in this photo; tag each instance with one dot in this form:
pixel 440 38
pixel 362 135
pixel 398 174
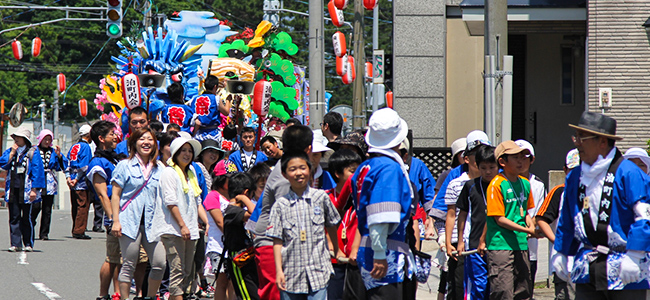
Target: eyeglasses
pixel 581 139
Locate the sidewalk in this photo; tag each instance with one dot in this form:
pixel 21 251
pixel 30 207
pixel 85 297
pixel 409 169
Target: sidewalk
pixel 429 290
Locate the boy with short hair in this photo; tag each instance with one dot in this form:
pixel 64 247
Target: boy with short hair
pixel 508 226
pixel 472 201
pixel 236 239
pixel 297 224
pixel 342 164
pixel 259 173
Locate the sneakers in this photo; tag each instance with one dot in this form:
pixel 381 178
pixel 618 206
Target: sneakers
pixel 107 297
pixel 98 229
pixel 13 249
pixel 28 249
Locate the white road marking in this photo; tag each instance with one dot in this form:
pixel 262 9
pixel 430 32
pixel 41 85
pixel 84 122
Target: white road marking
pixel 46 291
pixel 22 258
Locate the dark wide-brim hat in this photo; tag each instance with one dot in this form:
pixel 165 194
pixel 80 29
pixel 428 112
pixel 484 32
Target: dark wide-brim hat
pixel 598 124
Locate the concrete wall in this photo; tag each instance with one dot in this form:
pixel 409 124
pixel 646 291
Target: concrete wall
pixel 419 68
pixel 464 81
pixel 619 58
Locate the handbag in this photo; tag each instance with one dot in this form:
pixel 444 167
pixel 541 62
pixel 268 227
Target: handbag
pixel 422 265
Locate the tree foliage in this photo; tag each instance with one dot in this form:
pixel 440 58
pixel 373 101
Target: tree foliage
pixel 70 47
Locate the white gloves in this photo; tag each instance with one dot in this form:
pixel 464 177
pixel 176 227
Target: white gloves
pixel 559 263
pixel 630 270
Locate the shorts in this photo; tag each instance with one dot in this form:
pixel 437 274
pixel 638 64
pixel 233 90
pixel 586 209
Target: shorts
pixel 114 254
pixel 215 258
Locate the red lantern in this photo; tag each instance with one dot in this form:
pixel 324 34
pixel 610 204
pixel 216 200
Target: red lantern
pixel 36 47
pixel 262 97
pixel 60 82
pixel 350 74
pixel 338 39
pixel 389 99
pixel 83 107
pixel 335 14
pixel 17 49
pixel 131 90
pixel 341 4
pixel 341 65
pixel 368 70
pixel 369 4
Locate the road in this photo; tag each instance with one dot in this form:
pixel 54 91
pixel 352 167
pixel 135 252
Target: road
pixel 66 268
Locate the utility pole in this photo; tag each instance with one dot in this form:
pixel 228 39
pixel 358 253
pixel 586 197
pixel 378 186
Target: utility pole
pixel 56 114
pixel 358 103
pixel 316 64
pixel 496 44
pixel 43 106
pixel 375 46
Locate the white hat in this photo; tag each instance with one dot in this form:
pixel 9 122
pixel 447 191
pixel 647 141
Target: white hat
pixel 386 129
pixel 573 159
pixel 526 145
pixel 475 138
pixel 405 145
pixel 638 153
pixel 184 134
pixel 178 142
pixel 23 132
pixel 84 129
pixel 317 143
pixel 458 146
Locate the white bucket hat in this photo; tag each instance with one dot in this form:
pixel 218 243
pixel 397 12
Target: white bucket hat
pixel 638 153
pixel 23 132
pixel 458 145
pixel 180 141
pixel 317 143
pixel 386 129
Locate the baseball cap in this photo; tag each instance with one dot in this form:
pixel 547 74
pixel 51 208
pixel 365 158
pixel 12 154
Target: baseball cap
pixel 507 147
pixel 458 146
pixel 84 129
pixel 573 159
pixel 526 145
pixel 476 138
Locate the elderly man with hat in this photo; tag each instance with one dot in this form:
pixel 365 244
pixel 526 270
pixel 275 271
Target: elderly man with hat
pixel 382 195
pixel 605 219
pixel 25 179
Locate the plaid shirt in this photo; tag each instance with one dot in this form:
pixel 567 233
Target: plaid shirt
pixel 306 264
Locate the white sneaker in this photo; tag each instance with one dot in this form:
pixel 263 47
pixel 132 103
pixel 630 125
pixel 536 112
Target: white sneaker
pixel 13 249
pixel 28 249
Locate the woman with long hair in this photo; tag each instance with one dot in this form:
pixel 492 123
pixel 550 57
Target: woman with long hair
pixel 135 186
pixel 178 208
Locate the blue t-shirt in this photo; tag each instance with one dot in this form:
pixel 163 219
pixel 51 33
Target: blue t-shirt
pixel 103 167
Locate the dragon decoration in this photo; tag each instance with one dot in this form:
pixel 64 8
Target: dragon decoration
pixel 192 47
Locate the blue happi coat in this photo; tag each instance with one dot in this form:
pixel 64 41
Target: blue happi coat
pixel 35 176
pixel 381 195
pixel 629 226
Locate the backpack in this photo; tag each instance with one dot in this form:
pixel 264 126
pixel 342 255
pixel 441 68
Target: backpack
pixel 235 237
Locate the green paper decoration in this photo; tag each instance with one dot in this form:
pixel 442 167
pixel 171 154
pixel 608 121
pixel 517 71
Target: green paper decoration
pixel 238 44
pixel 283 68
pixel 283 41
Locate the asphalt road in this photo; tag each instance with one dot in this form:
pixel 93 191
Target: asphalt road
pixel 67 268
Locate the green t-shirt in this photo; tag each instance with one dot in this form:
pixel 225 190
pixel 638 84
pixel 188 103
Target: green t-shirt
pixel 510 201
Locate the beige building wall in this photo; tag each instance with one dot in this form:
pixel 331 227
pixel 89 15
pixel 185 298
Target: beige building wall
pixel 619 58
pixel 464 81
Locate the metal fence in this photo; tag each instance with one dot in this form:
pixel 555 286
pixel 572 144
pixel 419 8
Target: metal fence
pixel 437 159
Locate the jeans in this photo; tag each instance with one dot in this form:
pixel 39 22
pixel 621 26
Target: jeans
pixel 316 295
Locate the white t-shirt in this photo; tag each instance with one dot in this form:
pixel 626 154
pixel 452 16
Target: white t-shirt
pixel 538 189
pixel 451 197
pixel 248 156
pixel 214 200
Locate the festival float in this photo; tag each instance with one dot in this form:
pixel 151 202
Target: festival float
pixel 255 70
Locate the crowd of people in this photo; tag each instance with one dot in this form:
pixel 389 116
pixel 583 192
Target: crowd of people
pixel 318 215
